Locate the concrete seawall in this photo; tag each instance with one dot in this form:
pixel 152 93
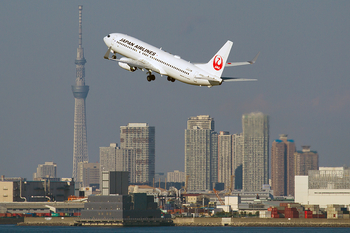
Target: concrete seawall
pixel 261 222
pixel 49 221
pixel 234 222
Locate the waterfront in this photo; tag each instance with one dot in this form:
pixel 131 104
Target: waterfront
pixel 42 229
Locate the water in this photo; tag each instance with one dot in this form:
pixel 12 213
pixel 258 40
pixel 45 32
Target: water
pixel 34 229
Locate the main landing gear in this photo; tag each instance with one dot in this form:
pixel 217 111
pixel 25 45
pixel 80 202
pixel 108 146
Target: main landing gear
pixel 170 79
pixel 150 77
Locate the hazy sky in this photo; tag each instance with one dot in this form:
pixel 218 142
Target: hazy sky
pixel 302 71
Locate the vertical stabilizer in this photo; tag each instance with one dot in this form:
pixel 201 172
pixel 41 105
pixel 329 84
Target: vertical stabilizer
pixel 217 64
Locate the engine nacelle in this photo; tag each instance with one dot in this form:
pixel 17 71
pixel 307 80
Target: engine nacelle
pixel 126 66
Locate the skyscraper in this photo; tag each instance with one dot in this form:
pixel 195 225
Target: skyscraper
pixel 225 158
pixel 200 153
pixel 278 168
pixel 305 160
pixel 141 137
pixel 114 158
pixel 282 166
pixel 80 91
pixel 256 151
pixel 237 160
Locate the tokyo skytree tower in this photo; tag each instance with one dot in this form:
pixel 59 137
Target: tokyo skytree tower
pixel 80 91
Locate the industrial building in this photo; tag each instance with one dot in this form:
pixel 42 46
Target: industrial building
pixel 328 185
pixel 41 207
pixel 115 182
pixel 35 191
pixel 137 209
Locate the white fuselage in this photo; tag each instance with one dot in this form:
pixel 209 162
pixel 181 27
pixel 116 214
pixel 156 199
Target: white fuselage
pixel 160 61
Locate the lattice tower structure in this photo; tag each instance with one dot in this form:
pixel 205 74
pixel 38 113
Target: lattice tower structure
pixel 80 92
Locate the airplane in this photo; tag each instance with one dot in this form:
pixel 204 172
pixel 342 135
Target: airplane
pixel 140 55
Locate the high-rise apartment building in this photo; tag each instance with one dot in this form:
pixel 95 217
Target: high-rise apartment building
pixel 200 153
pixel 237 160
pixel 141 137
pixel 278 168
pixel 305 160
pixel 90 174
pixel 256 151
pixel 47 170
pixel 282 166
pixel 114 158
pixel 80 92
pixel 225 159
pixel 176 176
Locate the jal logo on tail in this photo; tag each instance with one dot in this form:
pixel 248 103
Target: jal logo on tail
pixel 218 62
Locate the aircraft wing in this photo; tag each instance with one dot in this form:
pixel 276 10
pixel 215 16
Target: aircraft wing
pixel 242 63
pixel 140 64
pixel 233 79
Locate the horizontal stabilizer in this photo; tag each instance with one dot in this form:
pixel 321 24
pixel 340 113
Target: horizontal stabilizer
pixel 233 79
pixel 243 63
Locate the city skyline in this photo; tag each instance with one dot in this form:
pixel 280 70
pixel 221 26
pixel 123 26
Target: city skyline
pixel 115 158
pixel 302 76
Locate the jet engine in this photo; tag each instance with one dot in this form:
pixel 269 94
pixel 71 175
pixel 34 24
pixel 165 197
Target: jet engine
pixel 126 66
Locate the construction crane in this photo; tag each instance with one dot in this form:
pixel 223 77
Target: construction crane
pixel 218 197
pixel 231 186
pixel 186 184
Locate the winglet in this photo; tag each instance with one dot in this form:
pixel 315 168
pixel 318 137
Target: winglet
pixel 254 59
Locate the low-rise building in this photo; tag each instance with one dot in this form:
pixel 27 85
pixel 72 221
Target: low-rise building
pixel 328 185
pixel 120 208
pixel 34 191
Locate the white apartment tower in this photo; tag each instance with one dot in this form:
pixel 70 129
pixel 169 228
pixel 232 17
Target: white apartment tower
pixel 141 137
pixel 114 158
pixel 47 170
pixel 256 151
pixel 176 176
pixel 200 153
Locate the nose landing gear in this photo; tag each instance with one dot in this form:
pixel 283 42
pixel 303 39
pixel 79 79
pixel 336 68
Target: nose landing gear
pixel 170 79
